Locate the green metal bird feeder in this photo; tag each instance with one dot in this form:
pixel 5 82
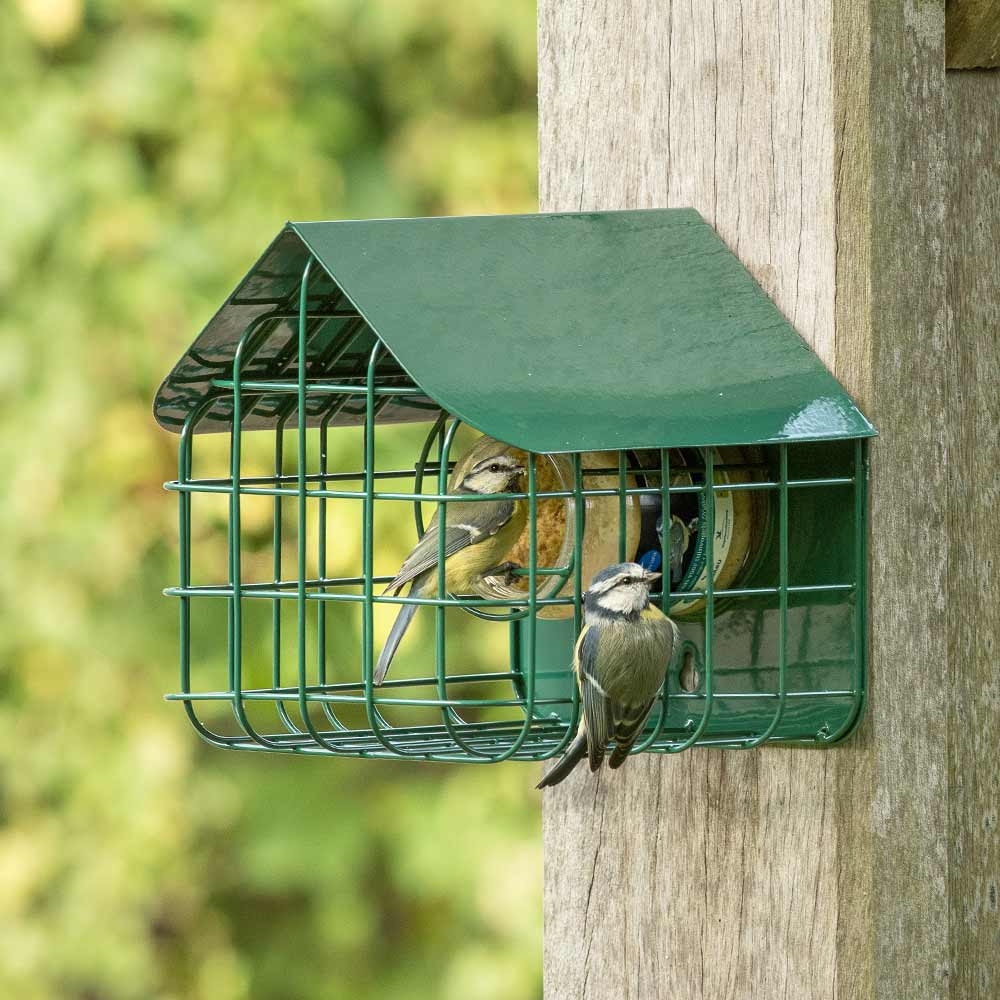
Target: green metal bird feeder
pixel 668 412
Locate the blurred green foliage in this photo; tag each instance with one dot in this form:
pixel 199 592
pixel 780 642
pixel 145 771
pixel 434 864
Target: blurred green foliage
pixel 148 150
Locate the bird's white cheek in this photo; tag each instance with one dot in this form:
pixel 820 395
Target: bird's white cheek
pixel 619 601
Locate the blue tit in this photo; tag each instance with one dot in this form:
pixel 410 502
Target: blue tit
pixel 621 659
pixel 477 537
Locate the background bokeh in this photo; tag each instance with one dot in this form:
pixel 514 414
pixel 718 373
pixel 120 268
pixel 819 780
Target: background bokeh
pixel 149 149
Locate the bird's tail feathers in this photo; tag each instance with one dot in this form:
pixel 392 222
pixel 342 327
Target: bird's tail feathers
pixel 399 626
pixel 576 752
pixel 627 731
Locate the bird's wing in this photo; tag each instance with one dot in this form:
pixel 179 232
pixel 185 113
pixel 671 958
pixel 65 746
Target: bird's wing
pixel 596 708
pixel 628 723
pixel 462 529
pixel 425 554
pixel 630 717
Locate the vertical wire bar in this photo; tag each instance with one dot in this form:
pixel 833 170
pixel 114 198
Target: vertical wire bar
pixel 665 540
pixel 782 603
pixel 450 717
pixel 709 529
pixel 420 466
pixel 321 556
pixel 276 541
pixel 302 427
pixel 860 573
pixel 440 663
pixel 184 469
pixel 184 555
pixel 532 618
pixel 579 530
pixel 860 590
pixel 324 429
pixel 324 432
pixel 528 673
pixel 532 600
pixel 301 497
pixel 235 617
pixel 378 724
pixel 622 504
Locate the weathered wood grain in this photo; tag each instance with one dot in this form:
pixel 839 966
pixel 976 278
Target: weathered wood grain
pixel 909 543
pixel 972 34
pixel 974 610
pixel 813 137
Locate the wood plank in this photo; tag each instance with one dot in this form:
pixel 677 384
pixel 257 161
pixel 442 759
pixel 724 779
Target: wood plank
pixel 974 611
pixel 973 34
pixel 781 872
pixel 909 548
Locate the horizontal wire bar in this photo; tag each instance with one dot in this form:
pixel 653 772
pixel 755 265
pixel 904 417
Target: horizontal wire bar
pixel 317 386
pixel 269 592
pixel 318 477
pixel 310 694
pixel 224 486
pixel 480 731
pixel 538 745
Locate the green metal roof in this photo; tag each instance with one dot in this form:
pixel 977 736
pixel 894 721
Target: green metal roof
pixel 563 332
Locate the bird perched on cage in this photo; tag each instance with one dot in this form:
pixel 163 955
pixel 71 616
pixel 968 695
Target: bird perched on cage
pixel 477 537
pixel 621 658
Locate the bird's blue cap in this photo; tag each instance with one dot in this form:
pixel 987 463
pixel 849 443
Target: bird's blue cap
pixel 610 571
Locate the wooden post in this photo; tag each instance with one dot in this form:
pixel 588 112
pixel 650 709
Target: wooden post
pixel 815 136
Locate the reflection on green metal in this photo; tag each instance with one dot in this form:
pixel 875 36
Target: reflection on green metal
pixel 779 649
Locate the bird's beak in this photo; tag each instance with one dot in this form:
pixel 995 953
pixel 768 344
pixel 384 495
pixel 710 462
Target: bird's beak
pixel 650 576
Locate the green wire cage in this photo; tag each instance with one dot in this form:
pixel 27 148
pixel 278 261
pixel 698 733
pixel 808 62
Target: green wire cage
pixel 666 410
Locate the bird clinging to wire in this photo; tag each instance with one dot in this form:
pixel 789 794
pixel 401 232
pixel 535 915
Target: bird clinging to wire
pixel 477 537
pixel 621 659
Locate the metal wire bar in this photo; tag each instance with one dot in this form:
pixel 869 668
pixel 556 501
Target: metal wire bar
pixel 661 711
pixel 276 543
pixel 235 603
pixel 860 591
pixel 783 556
pixel 622 506
pixel 532 618
pixel 225 486
pixel 449 718
pixel 375 720
pixel 332 693
pixel 318 386
pixel 709 632
pixel 422 466
pixel 324 429
pixel 184 468
pixel 300 539
pixel 312 477
pixel 269 592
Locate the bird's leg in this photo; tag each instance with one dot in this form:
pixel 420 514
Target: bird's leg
pixel 506 570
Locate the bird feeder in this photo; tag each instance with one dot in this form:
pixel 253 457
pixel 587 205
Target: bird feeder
pixel 667 411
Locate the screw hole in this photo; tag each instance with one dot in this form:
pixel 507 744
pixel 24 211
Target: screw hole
pixel 689 676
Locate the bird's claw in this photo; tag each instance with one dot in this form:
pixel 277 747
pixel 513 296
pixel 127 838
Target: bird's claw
pixel 506 571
